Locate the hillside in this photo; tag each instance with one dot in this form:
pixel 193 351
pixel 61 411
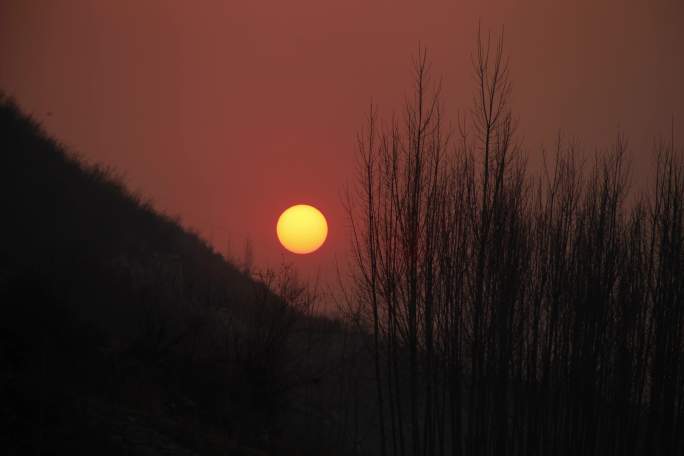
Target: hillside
pixel 125 332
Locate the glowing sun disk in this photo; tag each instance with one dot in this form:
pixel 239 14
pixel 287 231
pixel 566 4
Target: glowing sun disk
pixel 302 229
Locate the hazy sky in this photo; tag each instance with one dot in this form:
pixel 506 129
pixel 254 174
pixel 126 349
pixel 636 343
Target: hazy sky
pixel 226 112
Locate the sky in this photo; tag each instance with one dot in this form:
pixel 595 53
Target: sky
pixel 225 113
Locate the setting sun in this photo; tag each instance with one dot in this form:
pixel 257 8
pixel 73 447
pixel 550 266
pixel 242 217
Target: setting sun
pixel 302 229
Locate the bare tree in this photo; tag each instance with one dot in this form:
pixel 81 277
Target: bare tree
pixel 509 313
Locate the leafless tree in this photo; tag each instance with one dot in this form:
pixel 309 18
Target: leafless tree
pixel 511 313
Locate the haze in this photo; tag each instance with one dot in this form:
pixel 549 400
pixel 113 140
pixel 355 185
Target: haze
pixel 226 113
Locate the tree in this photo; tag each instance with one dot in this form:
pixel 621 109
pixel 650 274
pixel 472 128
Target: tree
pixel 509 313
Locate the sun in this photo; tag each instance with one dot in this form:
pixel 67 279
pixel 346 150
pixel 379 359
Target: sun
pixel 302 229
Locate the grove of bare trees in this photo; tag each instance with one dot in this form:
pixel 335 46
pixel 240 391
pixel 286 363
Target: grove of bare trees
pixel 512 313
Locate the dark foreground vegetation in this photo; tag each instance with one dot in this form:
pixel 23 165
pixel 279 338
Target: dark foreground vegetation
pixel 515 314
pixel 492 311
pixel 123 333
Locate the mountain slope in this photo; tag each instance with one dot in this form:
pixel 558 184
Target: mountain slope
pixel 119 326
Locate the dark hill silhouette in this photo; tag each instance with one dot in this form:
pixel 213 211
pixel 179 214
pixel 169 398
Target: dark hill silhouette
pixel 59 210
pixel 125 333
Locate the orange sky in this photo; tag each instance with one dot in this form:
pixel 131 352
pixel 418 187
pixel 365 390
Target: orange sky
pixel 225 113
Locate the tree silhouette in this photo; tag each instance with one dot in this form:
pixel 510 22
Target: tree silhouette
pixel 513 313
